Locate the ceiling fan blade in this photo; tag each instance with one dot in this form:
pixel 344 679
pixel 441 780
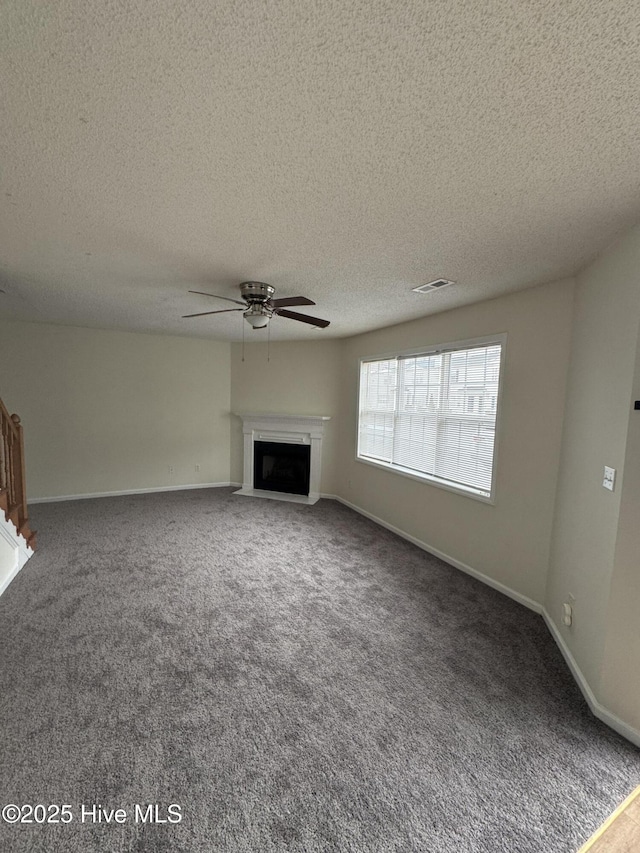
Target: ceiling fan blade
pixel 206 313
pixel 215 296
pixel 303 318
pixel 291 300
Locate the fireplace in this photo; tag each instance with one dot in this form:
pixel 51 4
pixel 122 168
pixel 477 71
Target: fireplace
pixel 279 467
pixel 282 456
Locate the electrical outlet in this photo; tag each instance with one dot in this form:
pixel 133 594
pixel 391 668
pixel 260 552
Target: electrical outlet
pixel 171 469
pixel 609 480
pixel 197 469
pixel 567 614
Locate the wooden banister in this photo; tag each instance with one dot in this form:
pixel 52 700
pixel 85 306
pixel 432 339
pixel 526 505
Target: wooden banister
pixel 13 491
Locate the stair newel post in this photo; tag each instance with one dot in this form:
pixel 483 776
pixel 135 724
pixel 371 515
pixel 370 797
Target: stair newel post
pixel 19 475
pixel 9 454
pixel 4 456
pixel 7 460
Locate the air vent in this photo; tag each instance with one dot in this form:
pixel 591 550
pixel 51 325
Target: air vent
pixel 433 285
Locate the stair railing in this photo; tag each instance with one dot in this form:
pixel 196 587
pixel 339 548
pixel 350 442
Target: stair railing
pixel 13 492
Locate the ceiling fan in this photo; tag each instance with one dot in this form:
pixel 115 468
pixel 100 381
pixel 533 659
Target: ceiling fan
pixel 259 306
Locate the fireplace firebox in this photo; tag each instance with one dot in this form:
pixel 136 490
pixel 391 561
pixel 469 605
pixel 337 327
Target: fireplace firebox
pixel 280 467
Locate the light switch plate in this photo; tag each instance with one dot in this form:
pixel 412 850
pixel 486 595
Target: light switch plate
pixel 609 478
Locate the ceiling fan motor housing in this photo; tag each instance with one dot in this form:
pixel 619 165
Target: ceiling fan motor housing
pixel 256 291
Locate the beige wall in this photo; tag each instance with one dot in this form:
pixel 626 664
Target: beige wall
pixel 110 411
pixel 620 680
pixel 595 541
pixel 508 541
pixel 301 378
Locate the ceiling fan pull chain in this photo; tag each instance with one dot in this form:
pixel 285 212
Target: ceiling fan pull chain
pixel 242 319
pixel 268 341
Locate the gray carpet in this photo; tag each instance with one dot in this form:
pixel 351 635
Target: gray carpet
pixel 295 678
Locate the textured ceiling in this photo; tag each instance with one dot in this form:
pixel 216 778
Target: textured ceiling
pixel 343 151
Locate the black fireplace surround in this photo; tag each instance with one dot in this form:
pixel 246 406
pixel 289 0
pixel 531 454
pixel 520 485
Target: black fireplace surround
pixel 279 467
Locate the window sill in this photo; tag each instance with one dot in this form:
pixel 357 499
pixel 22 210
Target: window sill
pixel 466 491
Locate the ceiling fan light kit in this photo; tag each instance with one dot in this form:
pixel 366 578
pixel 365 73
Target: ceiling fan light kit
pixel 258 316
pixel 259 306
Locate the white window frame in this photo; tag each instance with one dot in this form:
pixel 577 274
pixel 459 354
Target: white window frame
pixel 431 479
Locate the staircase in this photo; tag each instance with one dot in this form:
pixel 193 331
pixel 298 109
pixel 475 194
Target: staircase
pixel 17 540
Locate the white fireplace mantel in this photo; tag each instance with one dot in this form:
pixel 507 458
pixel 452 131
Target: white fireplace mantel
pixel 288 429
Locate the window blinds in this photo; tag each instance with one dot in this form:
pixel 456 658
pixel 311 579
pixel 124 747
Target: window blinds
pixel 433 414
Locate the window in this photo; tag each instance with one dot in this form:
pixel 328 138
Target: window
pixel 433 414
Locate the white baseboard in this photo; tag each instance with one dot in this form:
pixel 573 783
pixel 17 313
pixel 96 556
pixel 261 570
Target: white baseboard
pixel 596 707
pixel 469 570
pixel 129 492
